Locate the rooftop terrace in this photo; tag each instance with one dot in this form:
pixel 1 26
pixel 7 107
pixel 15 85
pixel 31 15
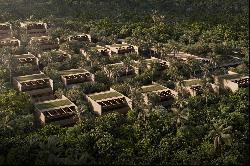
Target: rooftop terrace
pixel 192 82
pixel 119 45
pixel 31 77
pixel 231 76
pixel 104 95
pixel 152 88
pixel 24 56
pixel 53 104
pixel 73 71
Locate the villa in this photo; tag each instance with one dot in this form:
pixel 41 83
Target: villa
pixel 184 57
pixel 75 76
pixel 10 42
pixel 120 71
pixel 109 101
pixel 194 87
pixel 103 51
pixel 166 95
pixel 26 59
pixel 38 86
pixel 60 112
pixel 45 43
pixel 161 65
pixel 34 29
pixel 122 49
pixel 5 30
pixel 232 81
pixel 56 55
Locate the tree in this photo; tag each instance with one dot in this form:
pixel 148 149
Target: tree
pixel 127 64
pixel 49 151
pixel 220 134
pixel 179 116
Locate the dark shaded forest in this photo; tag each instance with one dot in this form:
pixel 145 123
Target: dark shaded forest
pixel 209 129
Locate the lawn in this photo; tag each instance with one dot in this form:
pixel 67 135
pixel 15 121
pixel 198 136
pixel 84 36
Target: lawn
pixel 73 71
pixel 31 77
pixel 105 95
pixel 53 104
pixel 152 88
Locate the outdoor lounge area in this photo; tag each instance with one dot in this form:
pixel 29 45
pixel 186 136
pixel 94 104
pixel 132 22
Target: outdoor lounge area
pixel 232 81
pixel 58 111
pixel 166 95
pixel 5 30
pixel 45 43
pixel 75 76
pixel 109 101
pixel 34 29
pixel 38 86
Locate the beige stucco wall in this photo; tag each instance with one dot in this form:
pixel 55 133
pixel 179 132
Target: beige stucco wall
pixel 94 105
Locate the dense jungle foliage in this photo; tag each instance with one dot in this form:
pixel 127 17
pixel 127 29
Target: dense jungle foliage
pixel 201 130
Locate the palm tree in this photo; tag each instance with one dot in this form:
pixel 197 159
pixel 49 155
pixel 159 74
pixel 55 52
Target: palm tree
pixel 136 96
pixel 127 64
pixel 50 150
pixel 206 86
pixel 175 46
pixel 193 65
pixel 166 50
pixel 93 56
pixel 11 65
pixel 180 86
pixel 153 100
pixel 220 135
pixel 173 70
pixel 6 123
pixel 206 70
pixel 179 116
pixel 214 60
pixel 159 49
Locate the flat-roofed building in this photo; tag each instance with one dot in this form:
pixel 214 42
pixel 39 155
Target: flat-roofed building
pixel 160 64
pixel 184 57
pixel 34 29
pixel 10 42
pixel 60 112
pixel 166 95
pixel 149 52
pixel 38 86
pixel 56 55
pixel 80 38
pixel 232 80
pixel 194 87
pixel 103 51
pixel 75 76
pixel 120 71
pixel 109 101
pixel 45 43
pixel 5 30
pixel 122 49
pixel 26 59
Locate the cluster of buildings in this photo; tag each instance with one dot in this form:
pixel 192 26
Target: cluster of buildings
pixel 50 109
pixel 109 50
